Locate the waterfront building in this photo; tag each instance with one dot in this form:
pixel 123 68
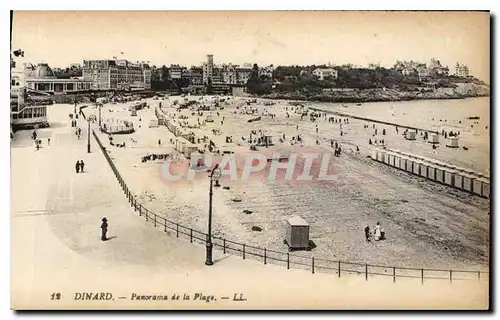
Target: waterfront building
pixel 323 73
pixel 208 69
pixel 176 71
pixel 42 78
pixel 117 75
pixel 28 108
pixel 461 70
pixel 266 72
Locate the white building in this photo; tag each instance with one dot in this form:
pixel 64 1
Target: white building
pixel 266 71
pixel 461 70
pixel 323 73
pixel 208 68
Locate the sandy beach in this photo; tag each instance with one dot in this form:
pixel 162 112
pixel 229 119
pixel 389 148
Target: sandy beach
pixel 427 225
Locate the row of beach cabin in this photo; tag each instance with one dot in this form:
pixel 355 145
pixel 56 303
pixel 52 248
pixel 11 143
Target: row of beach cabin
pixel 435 170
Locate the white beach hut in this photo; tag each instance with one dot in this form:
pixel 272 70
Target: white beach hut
pixel 397 160
pixel 409 164
pixel 459 180
pixel 431 171
pixel 439 174
pixel 452 142
pixel 449 176
pixel 486 188
pixel 189 149
pixel 402 162
pixel 434 138
pixel 416 166
pixel 297 233
pixel 468 180
pixel 411 135
pixel 381 155
pixel 423 169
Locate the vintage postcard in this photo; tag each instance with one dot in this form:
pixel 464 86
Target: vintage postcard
pixel 250 160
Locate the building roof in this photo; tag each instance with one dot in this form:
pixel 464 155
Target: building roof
pixel 56 80
pixel 297 221
pixel 43 71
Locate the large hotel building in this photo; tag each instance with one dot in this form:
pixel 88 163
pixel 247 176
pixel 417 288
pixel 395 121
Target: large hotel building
pixel 117 75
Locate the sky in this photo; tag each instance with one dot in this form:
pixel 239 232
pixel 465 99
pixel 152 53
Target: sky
pixel 60 38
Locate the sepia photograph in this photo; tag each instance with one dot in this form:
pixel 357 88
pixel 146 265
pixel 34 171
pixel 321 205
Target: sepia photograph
pixel 250 160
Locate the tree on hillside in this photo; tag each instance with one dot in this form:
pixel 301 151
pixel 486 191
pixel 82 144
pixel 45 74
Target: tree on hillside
pixel 209 86
pixel 164 73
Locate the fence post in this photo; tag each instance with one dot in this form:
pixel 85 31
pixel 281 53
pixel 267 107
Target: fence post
pixel 366 272
pixel 313 265
pixel 265 256
pixel 165 223
pixel 479 275
pixel 153 216
pixel 177 229
pixel 339 269
pixel 243 251
pixel 422 275
pixel 191 235
pixel 224 245
pixel 147 217
pixel 288 260
pixel 140 212
pixel 394 274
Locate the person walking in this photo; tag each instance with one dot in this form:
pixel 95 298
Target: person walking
pixel 77 167
pixel 104 229
pixel 82 165
pixel 48 141
pixel 367 233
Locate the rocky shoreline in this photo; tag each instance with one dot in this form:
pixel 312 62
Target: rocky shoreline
pixel 379 95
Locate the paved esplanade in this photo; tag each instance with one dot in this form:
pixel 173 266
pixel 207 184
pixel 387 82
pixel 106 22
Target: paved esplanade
pixel 55 244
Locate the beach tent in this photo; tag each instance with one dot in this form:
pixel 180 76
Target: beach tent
pixel 431 171
pixel 449 175
pixel 409 164
pixel 468 181
pixel 439 174
pixel 486 187
pixel 434 138
pixel 373 153
pixel 459 180
pixel 452 142
pixel 397 160
pixel 423 169
pixel 416 166
pixel 297 233
pixel 381 155
pixel 391 158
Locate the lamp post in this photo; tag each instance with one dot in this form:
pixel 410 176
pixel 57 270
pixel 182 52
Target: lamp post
pixel 214 175
pixel 88 136
pixel 74 110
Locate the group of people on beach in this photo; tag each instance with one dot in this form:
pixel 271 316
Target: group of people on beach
pixel 378 233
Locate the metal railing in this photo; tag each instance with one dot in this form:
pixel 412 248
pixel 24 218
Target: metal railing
pixel 287 259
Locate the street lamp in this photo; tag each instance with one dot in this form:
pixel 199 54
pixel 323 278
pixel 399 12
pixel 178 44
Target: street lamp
pixel 88 135
pixel 76 98
pixel 214 175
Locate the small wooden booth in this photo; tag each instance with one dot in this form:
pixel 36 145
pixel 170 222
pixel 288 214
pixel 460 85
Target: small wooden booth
pixel 468 180
pixel 411 135
pixel 452 142
pixel 416 167
pixel 459 180
pixel 449 176
pixel 424 166
pixel 403 162
pixel 381 154
pixel 434 138
pixel 297 234
pixel 439 174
